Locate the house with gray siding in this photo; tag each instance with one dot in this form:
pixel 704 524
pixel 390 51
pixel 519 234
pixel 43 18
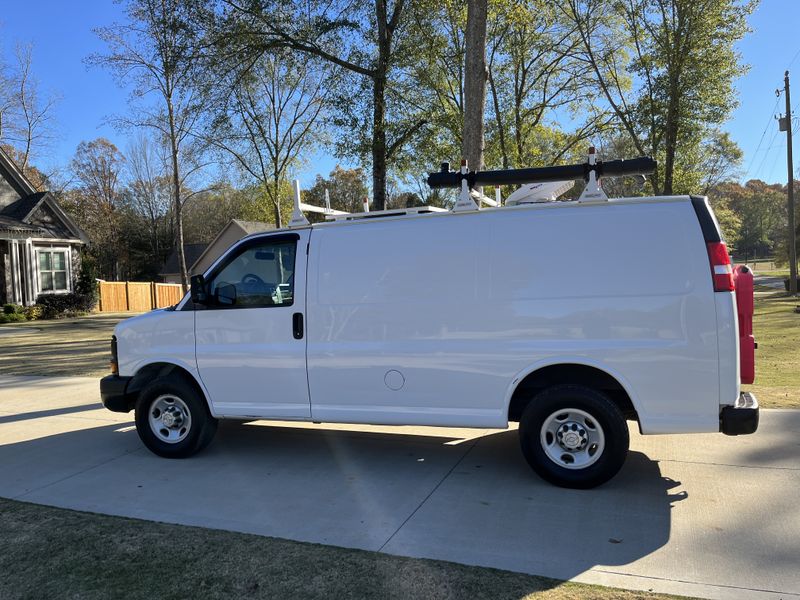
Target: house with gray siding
pixel 39 243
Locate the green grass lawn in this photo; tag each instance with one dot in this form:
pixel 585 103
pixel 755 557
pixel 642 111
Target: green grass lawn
pixel 777 330
pixel 778 273
pixel 54 553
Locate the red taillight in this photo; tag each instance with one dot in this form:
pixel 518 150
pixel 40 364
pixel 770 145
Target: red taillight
pixel 721 271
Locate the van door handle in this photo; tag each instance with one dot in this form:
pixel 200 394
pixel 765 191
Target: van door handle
pixel 297 326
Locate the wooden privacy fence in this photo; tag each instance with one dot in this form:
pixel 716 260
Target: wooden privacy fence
pixel 137 296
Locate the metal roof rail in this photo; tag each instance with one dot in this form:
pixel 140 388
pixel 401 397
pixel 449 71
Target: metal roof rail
pixel 391 212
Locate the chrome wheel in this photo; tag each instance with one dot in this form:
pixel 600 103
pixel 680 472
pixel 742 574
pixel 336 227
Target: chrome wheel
pixel 572 438
pixel 169 419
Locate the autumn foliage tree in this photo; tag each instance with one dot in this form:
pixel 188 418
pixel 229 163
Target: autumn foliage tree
pixel 95 200
pixel 346 188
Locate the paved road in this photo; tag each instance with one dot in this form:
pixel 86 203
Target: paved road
pixel 771 282
pixel 702 515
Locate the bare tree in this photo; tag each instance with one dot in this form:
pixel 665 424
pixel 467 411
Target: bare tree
pixel 26 113
pixel 157 51
pixel 149 187
pixel 6 97
pixel 267 120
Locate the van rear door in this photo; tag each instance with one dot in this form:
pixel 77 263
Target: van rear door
pixel 250 339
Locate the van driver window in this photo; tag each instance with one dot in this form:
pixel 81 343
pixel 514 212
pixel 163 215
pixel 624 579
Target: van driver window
pixel 261 275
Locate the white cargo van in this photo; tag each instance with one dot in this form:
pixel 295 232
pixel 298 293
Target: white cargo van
pixel 568 317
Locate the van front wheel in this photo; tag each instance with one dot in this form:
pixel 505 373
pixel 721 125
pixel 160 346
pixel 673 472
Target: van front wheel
pixel 172 419
pixel 573 436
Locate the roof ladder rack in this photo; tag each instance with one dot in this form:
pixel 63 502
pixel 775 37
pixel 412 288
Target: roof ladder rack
pixel 591 171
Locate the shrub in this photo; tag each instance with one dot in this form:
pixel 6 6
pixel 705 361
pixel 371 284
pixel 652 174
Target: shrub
pixel 86 285
pixel 58 305
pixel 12 309
pixel 11 317
pixel 33 312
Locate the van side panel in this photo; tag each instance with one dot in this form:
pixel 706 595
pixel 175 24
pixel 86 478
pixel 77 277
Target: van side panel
pixel 626 286
pixel 429 320
pixel 404 296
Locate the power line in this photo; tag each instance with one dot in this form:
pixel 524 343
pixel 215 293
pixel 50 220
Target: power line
pixel 766 152
pixel 776 162
pixel 763 133
pixel 796 54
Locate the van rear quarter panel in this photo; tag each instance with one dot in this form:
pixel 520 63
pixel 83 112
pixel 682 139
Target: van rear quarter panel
pixel 463 305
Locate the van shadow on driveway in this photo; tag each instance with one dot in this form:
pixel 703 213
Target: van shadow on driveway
pixel 38 414
pixel 474 501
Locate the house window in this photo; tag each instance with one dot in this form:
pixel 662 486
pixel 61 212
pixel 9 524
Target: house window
pixel 53 271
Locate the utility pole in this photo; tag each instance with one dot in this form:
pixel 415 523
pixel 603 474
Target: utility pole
pixel 785 124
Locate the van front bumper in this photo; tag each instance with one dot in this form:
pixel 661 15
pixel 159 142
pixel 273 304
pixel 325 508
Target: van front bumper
pixel 741 418
pixel 114 394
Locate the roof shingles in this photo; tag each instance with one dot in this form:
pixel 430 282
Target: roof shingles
pixel 21 208
pixel 191 251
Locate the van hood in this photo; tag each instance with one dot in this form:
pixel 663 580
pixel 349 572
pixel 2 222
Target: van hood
pixel 141 322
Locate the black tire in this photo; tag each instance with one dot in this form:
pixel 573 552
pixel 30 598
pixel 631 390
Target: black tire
pixel 604 413
pixel 201 425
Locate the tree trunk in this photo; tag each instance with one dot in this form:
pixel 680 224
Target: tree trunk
pixel 671 133
pixel 670 142
pixel 154 228
pixel 499 118
pixel 475 83
pixel 379 139
pixel 276 201
pixel 176 182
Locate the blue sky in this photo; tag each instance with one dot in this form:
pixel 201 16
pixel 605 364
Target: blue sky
pixel 62 38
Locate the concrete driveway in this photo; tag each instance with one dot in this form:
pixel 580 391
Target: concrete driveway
pixel 701 515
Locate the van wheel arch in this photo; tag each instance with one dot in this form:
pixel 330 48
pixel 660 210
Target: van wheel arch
pixel 570 373
pixel 158 370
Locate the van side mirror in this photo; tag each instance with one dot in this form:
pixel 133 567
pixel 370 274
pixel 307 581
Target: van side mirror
pixel 225 294
pixel 197 289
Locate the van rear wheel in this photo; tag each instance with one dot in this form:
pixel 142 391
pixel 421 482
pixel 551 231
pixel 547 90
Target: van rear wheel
pixel 172 419
pixel 573 436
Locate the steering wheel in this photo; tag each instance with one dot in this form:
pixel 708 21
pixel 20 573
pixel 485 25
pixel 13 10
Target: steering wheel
pixel 252 278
